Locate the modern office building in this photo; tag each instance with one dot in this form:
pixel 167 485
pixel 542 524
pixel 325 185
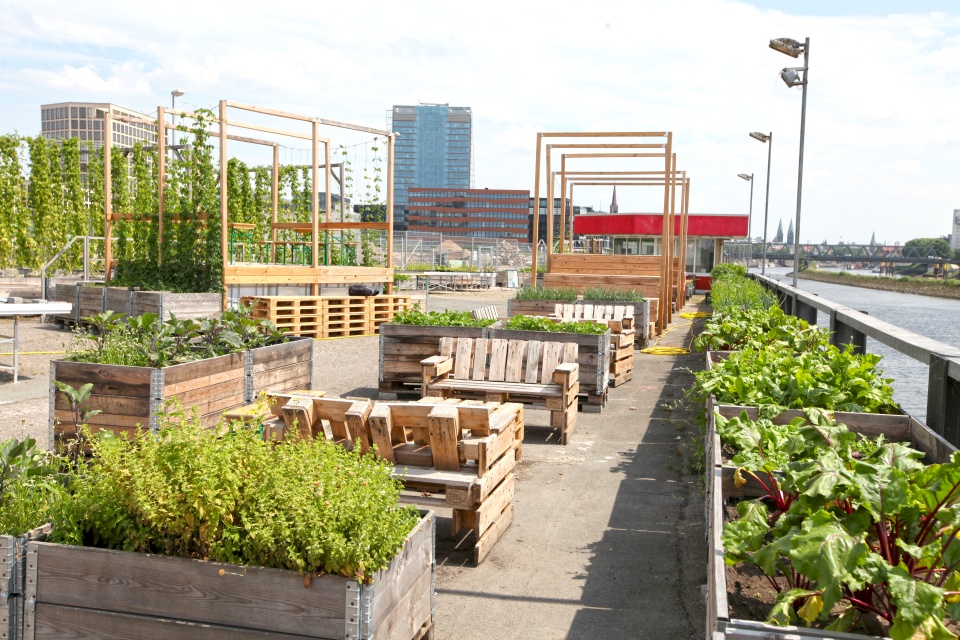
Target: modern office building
pixel 472 213
pixel 85 120
pixel 955 235
pixel 434 150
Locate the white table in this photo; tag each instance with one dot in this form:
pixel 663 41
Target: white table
pixel 16 311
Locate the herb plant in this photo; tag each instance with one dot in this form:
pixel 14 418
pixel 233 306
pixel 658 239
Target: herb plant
pixel 445 318
pixel 539 323
pixel 225 495
pixel 28 486
pixel 608 294
pixel 560 294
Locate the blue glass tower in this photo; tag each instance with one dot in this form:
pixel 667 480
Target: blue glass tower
pixel 433 150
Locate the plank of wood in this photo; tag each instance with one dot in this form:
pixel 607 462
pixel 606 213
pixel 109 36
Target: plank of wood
pixel 461 367
pixel 552 356
pixel 514 368
pixel 480 350
pixel 411 615
pixel 498 360
pixel 299 413
pixel 532 374
pixel 493 533
pixel 380 425
pixel 511 388
pixel 184 589
pixel 180 373
pixel 444 428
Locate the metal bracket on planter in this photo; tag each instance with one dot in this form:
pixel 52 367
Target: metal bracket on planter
pixel 156 398
pixel 30 593
pixel 366 611
pixel 248 391
pixel 351 629
pixel 9 573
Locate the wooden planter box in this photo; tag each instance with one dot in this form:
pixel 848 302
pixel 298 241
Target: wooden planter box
pixel 531 307
pixel 402 347
pixel 86 592
pixel 89 299
pixel 12 581
pixel 131 396
pixel 593 354
pixel 720 488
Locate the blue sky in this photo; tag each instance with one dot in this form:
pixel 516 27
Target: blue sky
pixel 883 123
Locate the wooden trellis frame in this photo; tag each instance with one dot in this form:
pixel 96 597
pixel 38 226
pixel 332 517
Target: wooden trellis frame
pixel 678 180
pixel 315 274
pixel 660 149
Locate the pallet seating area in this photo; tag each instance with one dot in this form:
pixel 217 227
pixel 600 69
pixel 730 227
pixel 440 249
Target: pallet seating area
pixel 328 316
pixel 542 373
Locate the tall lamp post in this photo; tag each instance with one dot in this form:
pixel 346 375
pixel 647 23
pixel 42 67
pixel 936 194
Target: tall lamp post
pixel 793 77
pixel 765 138
pixel 749 178
pixel 176 93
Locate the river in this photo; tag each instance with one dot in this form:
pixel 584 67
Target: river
pixel 935 318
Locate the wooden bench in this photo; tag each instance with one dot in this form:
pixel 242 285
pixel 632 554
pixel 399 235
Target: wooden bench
pixel 499 370
pixel 485 313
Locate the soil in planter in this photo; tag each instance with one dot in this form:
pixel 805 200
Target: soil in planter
pixel 750 595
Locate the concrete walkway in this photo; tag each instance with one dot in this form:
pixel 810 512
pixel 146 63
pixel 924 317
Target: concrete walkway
pixel 608 537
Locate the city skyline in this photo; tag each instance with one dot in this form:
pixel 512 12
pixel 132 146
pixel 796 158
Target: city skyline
pixel 882 130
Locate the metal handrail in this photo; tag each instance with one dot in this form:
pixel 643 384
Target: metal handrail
pixel 86 261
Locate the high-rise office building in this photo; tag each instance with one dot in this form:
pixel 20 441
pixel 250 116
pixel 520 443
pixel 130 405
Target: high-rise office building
pixel 434 149
pixel 85 120
pixel 473 213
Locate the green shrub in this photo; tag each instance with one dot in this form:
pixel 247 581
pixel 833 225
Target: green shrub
pixel 227 496
pixel 28 486
pixel 560 294
pixel 728 269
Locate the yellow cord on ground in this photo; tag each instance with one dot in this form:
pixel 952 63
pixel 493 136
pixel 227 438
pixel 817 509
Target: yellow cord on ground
pixel 675 351
pixel 696 314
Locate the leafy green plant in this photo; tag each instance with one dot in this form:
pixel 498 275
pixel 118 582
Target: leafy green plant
pixel 731 293
pixel 760 328
pixel 830 379
pixel 539 323
pixel 612 295
pixel 561 294
pixel 727 270
pixel 225 495
pixel 28 486
pixel 446 318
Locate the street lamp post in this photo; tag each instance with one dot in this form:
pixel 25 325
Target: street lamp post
pixel 766 138
pixel 792 77
pixel 176 93
pixel 749 178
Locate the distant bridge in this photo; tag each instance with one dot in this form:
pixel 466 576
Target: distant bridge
pixel 837 252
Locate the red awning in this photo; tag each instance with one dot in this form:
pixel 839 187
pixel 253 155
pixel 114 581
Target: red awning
pixel 650 224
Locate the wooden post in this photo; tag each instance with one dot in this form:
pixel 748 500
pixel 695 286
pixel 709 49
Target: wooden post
pixel 161 169
pixel 107 194
pixel 563 200
pixel 391 150
pixel 536 216
pixel 664 250
pixel 224 247
pixel 672 182
pixel 550 196
pixel 684 220
pixel 571 216
pixel 275 205
pixel 315 204
pixel 328 197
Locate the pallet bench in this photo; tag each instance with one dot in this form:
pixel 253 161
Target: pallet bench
pixel 485 313
pixel 464 451
pixel 620 319
pixel 500 369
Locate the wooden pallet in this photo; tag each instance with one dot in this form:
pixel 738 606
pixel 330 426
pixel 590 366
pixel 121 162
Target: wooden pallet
pixel 621 359
pixel 455 454
pixel 328 316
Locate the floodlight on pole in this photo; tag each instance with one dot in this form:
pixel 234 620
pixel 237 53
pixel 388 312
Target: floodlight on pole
pixel 749 178
pixel 766 138
pixel 792 78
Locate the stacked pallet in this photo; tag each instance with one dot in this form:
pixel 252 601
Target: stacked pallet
pixel 463 450
pixel 328 316
pixel 621 358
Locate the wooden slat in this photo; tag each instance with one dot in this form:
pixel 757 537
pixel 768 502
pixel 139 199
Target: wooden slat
pixel 380 423
pixel 552 355
pixel 532 374
pixel 446 347
pixel 461 366
pixel 498 360
pixel 515 354
pixel 444 433
pixel 571 352
pixel 479 359
pixel 518 388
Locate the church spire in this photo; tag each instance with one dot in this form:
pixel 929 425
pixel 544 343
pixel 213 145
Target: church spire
pixel 614 208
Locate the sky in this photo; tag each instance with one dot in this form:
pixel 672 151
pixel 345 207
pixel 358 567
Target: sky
pixel 882 137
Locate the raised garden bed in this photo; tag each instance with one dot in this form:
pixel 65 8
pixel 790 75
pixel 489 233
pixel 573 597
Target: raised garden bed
pixel 88 592
pixel 89 299
pixel 130 396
